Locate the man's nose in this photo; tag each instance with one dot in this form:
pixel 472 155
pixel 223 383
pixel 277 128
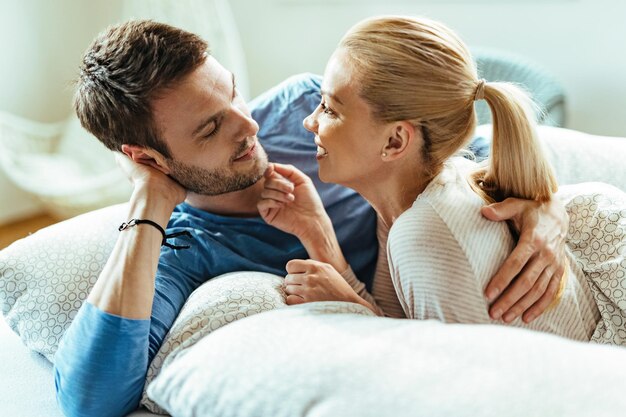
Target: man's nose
pixel 248 126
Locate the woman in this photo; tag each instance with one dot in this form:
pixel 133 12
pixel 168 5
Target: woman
pixel 397 106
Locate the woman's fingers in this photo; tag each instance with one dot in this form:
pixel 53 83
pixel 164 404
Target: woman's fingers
pixel 279 184
pixel 277 195
pixel 294 290
pixel 291 173
pixel 295 279
pixel 294 299
pixel 268 209
pixel 298 266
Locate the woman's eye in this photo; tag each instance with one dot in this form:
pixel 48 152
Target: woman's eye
pixel 326 109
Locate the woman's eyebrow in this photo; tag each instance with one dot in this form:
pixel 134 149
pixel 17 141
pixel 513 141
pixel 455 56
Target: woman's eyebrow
pixel 331 95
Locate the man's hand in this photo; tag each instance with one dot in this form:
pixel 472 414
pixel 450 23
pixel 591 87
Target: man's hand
pixel 144 176
pixel 529 279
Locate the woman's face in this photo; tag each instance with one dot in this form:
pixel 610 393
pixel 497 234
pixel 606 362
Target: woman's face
pixel 349 140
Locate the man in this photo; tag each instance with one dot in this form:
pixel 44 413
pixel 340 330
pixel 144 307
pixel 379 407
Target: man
pixel 154 93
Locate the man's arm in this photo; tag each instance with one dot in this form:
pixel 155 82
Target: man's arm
pixel 126 284
pixel 101 363
pixel 529 279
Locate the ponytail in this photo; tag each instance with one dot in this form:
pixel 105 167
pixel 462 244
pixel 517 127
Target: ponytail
pixel 517 166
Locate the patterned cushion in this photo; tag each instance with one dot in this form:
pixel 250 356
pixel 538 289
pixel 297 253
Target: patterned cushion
pixel 216 303
pixel 45 277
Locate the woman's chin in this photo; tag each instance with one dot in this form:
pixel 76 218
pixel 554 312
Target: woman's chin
pixel 326 176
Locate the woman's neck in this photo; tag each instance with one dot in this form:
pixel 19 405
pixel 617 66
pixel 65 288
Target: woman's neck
pixel 393 192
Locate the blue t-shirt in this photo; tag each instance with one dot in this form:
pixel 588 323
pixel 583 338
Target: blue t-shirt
pixel 102 361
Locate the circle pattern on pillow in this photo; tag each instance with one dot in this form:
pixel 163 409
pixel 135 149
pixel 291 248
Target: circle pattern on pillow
pixel 597 239
pixel 214 304
pixel 45 277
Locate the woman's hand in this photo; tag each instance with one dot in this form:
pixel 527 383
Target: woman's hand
pixel 310 280
pixel 290 202
pixel 529 279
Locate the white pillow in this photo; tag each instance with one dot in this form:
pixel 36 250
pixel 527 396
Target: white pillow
pixel 45 277
pixel 214 304
pixel 299 361
pixel 580 157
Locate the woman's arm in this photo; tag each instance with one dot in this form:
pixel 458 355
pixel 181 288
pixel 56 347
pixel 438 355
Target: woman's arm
pixel 290 203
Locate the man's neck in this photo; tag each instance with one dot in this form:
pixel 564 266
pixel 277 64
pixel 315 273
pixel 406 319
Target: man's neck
pixel 242 203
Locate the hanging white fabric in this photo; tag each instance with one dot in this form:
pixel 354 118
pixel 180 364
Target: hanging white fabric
pixel 60 163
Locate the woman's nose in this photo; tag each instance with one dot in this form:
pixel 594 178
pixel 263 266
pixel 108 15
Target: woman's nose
pixel 310 123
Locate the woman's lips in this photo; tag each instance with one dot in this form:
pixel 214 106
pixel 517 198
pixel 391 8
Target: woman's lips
pixel 321 151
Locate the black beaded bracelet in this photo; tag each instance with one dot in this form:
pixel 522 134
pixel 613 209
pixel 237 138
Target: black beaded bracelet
pixel 135 222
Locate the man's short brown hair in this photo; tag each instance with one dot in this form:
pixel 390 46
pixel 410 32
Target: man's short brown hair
pixel 123 71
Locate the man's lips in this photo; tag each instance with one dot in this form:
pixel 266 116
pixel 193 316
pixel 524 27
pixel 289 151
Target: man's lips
pixel 248 153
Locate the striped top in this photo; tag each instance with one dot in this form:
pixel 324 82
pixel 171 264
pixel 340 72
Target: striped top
pixel 442 254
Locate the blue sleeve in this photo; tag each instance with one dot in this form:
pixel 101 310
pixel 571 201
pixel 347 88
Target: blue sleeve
pixel 101 364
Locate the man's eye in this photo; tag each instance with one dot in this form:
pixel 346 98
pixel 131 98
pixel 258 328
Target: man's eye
pixel 212 132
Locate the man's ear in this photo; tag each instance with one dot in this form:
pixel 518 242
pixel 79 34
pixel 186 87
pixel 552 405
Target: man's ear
pixel 402 137
pixel 146 156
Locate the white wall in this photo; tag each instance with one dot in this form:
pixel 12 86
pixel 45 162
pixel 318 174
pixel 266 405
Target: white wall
pixel 42 42
pixel 580 41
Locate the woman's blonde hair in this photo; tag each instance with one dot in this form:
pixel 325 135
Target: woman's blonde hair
pixel 418 70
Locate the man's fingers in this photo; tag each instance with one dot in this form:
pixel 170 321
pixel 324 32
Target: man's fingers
pixel 532 296
pixel 511 267
pixel 546 299
pixel 504 210
pixel 294 299
pixel 518 288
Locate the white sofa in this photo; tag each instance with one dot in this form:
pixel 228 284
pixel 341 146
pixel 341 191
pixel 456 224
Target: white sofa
pixel 328 359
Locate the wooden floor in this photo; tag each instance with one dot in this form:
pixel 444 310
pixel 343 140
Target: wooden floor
pixel 9 233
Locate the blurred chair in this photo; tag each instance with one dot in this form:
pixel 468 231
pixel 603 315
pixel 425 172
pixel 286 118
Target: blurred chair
pixel 545 89
pixel 61 164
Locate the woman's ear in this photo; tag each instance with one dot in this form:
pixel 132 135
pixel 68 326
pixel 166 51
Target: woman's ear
pixel 402 137
pixel 146 156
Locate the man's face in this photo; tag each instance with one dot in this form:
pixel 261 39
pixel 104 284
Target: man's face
pixel 210 133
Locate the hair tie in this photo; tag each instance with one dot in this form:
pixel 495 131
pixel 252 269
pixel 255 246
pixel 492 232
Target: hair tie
pixel 480 90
